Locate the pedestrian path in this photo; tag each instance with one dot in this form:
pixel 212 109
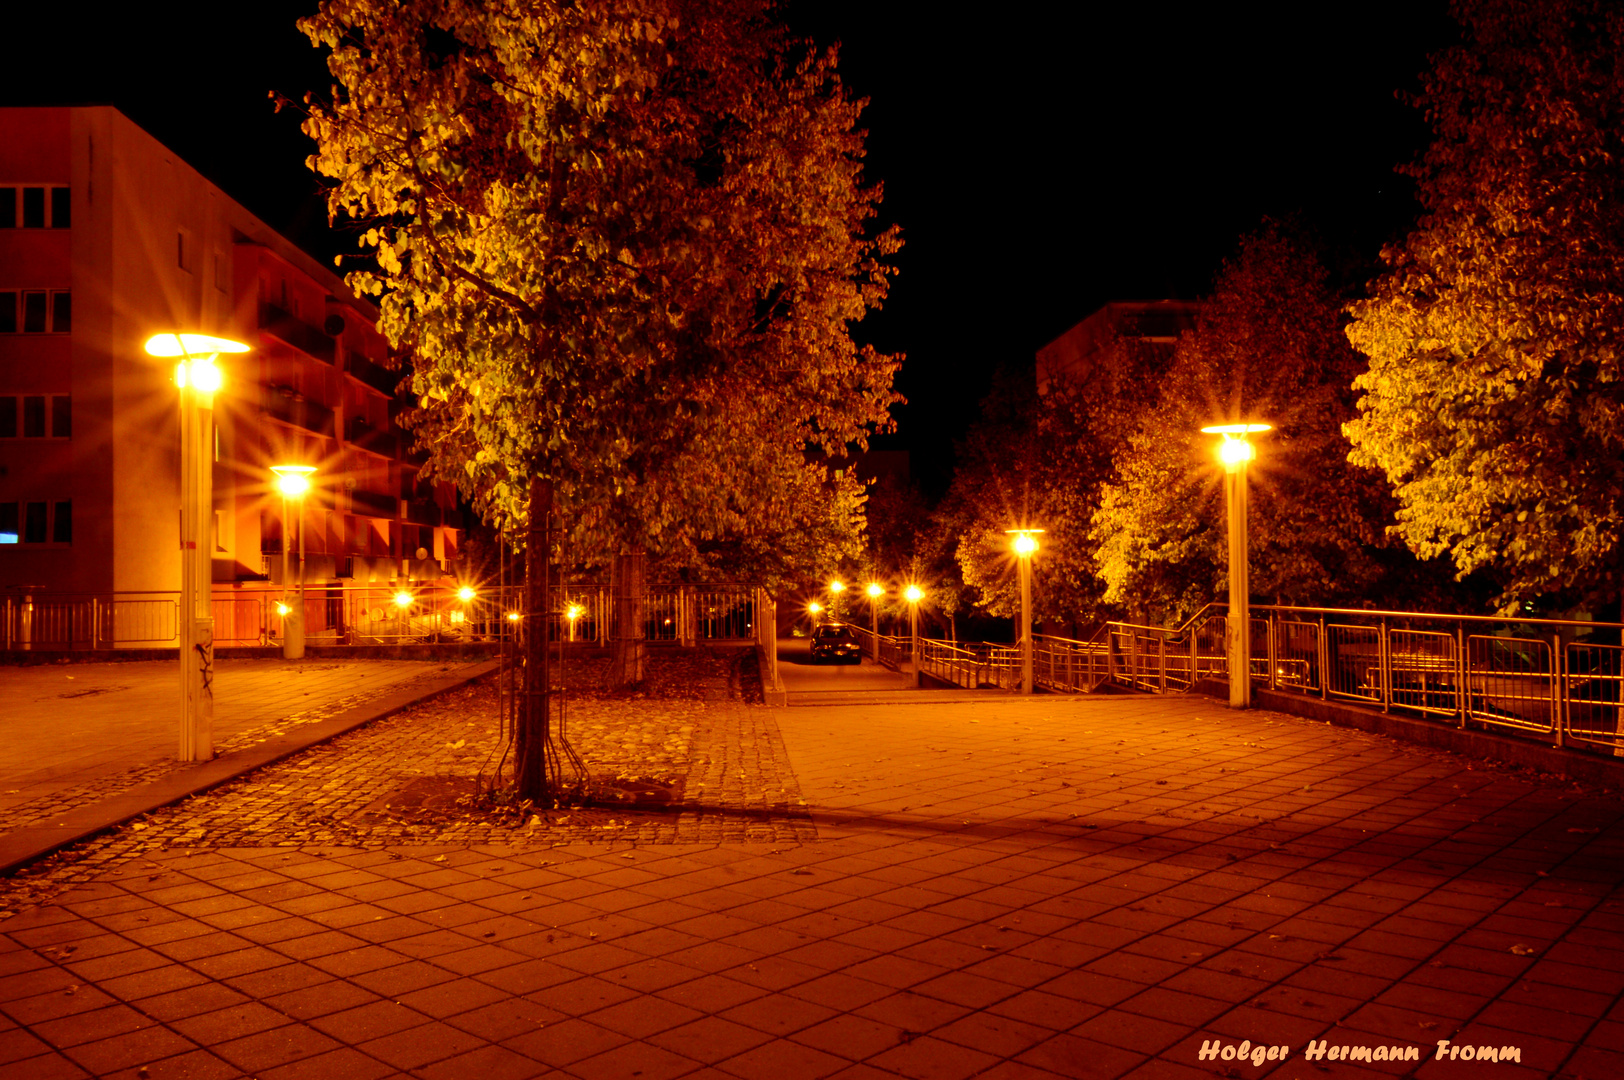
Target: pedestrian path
pixel 1018 888
pixel 71 732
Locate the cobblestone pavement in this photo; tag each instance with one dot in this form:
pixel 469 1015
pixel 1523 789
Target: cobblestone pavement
pixel 75 733
pixel 1030 888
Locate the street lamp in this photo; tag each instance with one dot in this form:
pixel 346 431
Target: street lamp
pixel 1235 451
pixel 913 594
pixel 1025 545
pixel 836 587
pixel 293 481
pixel 403 600
pixel 875 591
pixel 573 613
pixel 197 378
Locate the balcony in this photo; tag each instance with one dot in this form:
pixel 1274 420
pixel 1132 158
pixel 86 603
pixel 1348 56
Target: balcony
pixel 362 434
pixel 297 333
pixel 379 378
pixel 286 405
pixel 374 505
pixel 423 512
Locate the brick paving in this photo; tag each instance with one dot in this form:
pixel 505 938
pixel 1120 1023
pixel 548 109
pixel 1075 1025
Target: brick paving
pixel 75 733
pixel 1020 888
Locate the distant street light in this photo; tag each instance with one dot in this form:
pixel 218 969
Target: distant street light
pixel 875 591
pixel 1026 545
pixel 573 613
pixel 403 601
pixel 197 378
pixel 293 481
pixel 1235 452
pixel 913 594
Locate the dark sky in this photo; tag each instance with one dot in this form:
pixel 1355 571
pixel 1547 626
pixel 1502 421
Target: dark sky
pixel 1041 159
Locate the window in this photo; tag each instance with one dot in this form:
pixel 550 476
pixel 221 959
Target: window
pixel 37 522
pixel 44 206
pixel 42 415
pixel 34 308
pixel 34 522
pixel 33 208
pixel 36 311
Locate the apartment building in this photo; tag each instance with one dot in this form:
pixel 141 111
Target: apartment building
pixel 106 238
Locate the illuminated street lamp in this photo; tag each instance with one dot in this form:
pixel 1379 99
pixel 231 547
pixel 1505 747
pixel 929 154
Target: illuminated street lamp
pixel 913 594
pixel 1026 544
pixel 1235 451
pixel 403 600
pixel 293 481
pixel 197 378
pixel 573 613
pixel 836 588
pixel 875 590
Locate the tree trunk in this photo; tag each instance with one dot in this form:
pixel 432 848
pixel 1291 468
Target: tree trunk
pixel 531 740
pixel 629 580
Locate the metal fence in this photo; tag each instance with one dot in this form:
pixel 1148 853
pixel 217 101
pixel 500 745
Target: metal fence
pixel 34 619
pixel 1558 681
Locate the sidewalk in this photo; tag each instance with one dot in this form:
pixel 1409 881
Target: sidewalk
pixel 1022 888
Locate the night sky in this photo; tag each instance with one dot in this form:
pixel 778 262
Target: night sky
pixel 1039 165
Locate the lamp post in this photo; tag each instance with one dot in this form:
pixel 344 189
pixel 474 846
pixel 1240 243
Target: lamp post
pixel 197 378
pixel 1025 545
pixel 914 594
pixel 1235 451
pixel 836 589
pixel 573 613
pixel 293 481
pixel 875 591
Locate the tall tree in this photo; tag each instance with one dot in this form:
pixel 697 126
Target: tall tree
pixel 1267 346
pixel 1493 399
pixel 623 242
pixel 1033 461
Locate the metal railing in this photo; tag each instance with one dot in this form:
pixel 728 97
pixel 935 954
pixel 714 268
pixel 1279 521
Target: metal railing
pixel 1555 680
pixel 353 614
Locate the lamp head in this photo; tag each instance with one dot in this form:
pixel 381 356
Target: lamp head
pixel 1235 451
pixel 837 586
pixel 874 590
pixel 403 599
pixel 466 593
pixel 575 612
pixel 293 481
pixel 914 594
pixel 814 607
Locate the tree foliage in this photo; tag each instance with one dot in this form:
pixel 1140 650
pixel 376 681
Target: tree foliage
pixel 1267 346
pixel 1032 461
pixel 1493 398
pixel 623 242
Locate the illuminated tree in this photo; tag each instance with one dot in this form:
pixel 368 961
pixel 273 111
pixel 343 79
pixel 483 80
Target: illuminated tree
pixel 623 242
pixel 1267 346
pixel 1493 400
pixel 1033 461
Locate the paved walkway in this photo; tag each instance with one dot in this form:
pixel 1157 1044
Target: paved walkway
pixel 70 733
pixel 1033 888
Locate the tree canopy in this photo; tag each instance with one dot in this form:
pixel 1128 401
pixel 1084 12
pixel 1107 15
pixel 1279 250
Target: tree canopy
pixel 1493 399
pixel 623 243
pixel 1267 346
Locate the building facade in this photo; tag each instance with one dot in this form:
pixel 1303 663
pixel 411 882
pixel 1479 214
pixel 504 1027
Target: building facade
pixel 1120 335
pixel 107 238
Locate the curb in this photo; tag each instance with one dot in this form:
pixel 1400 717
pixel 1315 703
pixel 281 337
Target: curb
pixel 33 842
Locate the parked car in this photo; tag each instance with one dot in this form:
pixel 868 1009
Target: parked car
pixel 836 641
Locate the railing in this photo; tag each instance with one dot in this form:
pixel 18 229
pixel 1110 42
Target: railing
pixel 1558 681
pixel 298 333
pixel 357 614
